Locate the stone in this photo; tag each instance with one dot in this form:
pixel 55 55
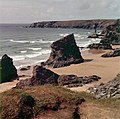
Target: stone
pixel 40 76
pixel 94 35
pixel 75 81
pixel 64 52
pixel 104 46
pixel 25 68
pixel 110 89
pixel 8 72
pixel 113 53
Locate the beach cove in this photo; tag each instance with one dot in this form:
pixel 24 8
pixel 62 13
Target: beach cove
pixel 106 68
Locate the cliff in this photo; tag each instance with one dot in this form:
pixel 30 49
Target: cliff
pixel 112 33
pixel 85 24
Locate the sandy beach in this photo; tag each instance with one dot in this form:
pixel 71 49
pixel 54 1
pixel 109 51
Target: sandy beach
pixel 106 68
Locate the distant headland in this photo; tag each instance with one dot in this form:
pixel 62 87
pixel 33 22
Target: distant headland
pixel 85 24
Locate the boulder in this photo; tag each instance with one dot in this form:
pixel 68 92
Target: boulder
pixel 110 89
pixel 103 46
pixel 40 76
pixel 94 35
pixel 113 53
pixel 25 68
pixel 8 72
pixel 64 52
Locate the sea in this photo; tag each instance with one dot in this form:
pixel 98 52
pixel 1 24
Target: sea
pixel 30 46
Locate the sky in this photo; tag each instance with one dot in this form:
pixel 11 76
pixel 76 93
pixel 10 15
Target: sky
pixel 29 11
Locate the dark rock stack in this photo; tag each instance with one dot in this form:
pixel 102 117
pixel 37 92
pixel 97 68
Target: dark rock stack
pixel 113 53
pixel 108 90
pixel 64 52
pixel 25 68
pixel 94 35
pixel 40 76
pixel 103 46
pixel 8 72
pixel 112 33
pixel 75 81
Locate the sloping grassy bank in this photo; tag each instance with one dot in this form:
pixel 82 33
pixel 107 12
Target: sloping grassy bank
pixel 43 102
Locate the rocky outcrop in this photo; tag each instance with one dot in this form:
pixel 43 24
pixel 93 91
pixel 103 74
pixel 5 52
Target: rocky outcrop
pixel 40 76
pixel 113 53
pixel 103 46
pixel 85 24
pixel 94 35
pixel 43 76
pixel 25 68
pixel 110 89
pixel 8 72
pixel 112 33
pixel 64 52
pixel 75 81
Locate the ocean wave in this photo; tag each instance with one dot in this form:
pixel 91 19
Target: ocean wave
pixel 34 49
pixel 84 44
pixel 29 64
pixel 32 42
pixel 63 35
pixel 23 51
pixel 95 40
pixel 36 54
pixel 32 55
pixel 76 35
pixel 21 41
pixel 44 41
pixel 18 58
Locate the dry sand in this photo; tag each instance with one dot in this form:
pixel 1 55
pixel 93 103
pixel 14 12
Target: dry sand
pixel 106 68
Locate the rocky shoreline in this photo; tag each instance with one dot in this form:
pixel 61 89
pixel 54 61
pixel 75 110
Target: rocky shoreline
pixel 44 93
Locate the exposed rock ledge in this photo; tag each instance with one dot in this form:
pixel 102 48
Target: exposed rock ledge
pixel 107 90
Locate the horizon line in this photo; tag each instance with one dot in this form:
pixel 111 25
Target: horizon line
pixel 58 20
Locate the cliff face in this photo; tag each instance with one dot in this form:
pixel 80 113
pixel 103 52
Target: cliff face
pixel 112 33
pixel 85 24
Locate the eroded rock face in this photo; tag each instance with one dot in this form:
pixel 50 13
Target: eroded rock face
pixel 40 76
pixel 64 52
pixel 103 46
pixel 112 33
pixel 110 89
pixel 8 72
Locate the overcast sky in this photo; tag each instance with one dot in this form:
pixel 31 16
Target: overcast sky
pixel 28 11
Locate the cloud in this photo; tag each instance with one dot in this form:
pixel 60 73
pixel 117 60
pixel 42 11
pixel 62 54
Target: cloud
pixel 39 10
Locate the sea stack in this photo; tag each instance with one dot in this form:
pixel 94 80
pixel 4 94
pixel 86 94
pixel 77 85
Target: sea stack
pixel 64 52
pixel 8 72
